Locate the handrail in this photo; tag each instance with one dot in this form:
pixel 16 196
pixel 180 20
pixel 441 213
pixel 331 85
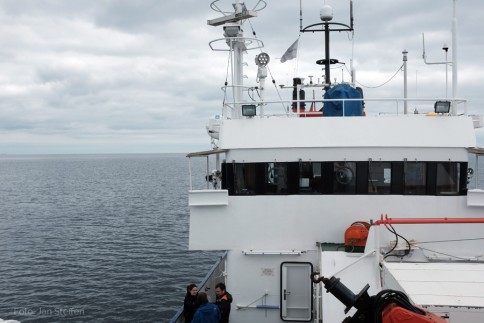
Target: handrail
pixel 462 103
pixel 367 254
pixel 178 314
pixel 387 220
pixel 239 307
pixel 247 41
pixel 350 99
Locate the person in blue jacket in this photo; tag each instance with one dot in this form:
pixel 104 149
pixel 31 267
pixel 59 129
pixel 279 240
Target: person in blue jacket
pixel 207 312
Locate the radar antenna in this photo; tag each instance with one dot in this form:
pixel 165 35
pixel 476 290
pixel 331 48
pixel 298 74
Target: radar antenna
pixel 260 5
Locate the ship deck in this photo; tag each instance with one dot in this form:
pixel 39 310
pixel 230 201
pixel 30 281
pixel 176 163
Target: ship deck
pixel 439 284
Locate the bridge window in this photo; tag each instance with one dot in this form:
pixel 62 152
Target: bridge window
pixel 415 178
pixel 310 178
pixel 276 178
pixel 379 177
pixel 343 177
pixel 245 179
pixel 344 181
pixel 448 175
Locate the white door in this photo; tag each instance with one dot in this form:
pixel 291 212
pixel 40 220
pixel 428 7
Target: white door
pixel 296 291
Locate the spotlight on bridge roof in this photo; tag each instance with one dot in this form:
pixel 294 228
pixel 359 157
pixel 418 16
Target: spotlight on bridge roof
pixel 249 110
pixel 442 107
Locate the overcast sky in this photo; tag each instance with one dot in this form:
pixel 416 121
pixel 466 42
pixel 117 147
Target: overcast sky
pixel 126 76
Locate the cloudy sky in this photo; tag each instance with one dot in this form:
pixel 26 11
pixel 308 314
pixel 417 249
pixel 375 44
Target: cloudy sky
pixel 126 76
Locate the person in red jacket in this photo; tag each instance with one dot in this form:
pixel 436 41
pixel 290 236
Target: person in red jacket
pixel 223 301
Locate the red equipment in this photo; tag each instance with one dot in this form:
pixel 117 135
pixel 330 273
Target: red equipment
pixel 395 314
pixel 388 306
pixel 355 236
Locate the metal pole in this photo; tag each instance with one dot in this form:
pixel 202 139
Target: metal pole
pixel 477 171
pixel 405 103
pixel 298 105
pixel 238 48
pixel 428 221
pixel 217 162
pixel 326 50
pixel 262 73
pixel 208 171
pixel 454 60
pixel 300 15
pixel 446 49
pixel 190 172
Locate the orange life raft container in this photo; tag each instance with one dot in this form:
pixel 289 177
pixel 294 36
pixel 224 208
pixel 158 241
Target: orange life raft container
pixel 356 235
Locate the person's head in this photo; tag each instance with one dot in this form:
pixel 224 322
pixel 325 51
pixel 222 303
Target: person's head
pixel 192 289
pixel 220 289
pixel 202 298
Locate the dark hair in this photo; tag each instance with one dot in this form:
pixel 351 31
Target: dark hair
pixel 190 287
pixel 221 286
pixel 202 298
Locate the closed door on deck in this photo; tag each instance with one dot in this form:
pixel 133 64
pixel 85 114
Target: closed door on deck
pixel 296 291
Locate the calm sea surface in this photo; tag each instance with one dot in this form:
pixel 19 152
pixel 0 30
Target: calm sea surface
pixel 95 238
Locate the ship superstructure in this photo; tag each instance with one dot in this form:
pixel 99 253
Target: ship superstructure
pixel 307 191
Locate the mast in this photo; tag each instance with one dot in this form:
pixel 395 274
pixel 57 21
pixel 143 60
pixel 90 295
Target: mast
pixel 327 26
pixel 234 37
pixel 453 110
pixel 238 50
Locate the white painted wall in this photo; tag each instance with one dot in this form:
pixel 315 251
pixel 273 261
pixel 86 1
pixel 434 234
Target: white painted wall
pixel 385 131
pixel 299 221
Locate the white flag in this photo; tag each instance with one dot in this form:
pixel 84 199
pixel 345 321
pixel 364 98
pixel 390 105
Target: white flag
pixel 290 53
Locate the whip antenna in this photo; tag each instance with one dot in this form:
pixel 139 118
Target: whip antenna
pixel 300 15
pixel 351 14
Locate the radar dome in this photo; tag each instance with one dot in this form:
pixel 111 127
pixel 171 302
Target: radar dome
pixel 326 13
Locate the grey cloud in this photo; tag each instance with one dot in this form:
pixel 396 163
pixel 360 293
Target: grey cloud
pixel 121 75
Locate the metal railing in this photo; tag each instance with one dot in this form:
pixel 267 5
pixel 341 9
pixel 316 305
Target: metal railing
pixel 207 285
pixel 423 106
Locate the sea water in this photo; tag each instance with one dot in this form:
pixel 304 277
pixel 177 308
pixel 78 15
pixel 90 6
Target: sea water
pixel 96 238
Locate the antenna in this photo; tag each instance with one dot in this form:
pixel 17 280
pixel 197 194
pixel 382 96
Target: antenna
pixel 424 56
pixel 241 13
pixel 351 14
pixel 300 15
pixel 405 96
pixel 327 26
pixel 454 58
